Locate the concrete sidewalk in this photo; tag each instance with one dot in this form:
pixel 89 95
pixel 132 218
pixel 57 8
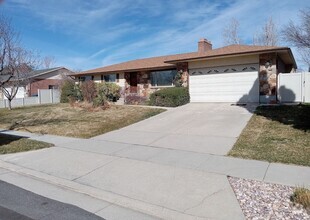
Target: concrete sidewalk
pixel 160 191
pixel 61 192
pixel 142 180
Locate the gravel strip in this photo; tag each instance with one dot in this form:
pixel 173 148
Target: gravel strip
pixel 259 200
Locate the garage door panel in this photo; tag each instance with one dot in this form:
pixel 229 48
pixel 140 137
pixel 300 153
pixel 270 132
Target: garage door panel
pixel 224 87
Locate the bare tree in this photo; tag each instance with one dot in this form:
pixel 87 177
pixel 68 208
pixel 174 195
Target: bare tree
pixel 268 36
pixel 299 35
pixel 15 61
pixel 48 62
pixel 231 33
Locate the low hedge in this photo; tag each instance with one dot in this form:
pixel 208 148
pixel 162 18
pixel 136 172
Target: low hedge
pixel 170 97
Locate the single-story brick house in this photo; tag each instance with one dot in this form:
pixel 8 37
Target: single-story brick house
pixel 234 73
pixel 46 79
pixel 42 79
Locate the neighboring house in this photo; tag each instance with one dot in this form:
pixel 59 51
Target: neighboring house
pixel 42 79
pixel 234 73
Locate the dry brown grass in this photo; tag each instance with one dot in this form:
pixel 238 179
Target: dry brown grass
pixel 64 120
pixel 302 196
pixel 14 144
pixel 277 134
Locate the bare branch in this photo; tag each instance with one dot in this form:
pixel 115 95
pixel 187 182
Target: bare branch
pixel 48 62
pixel 299 35
pixel 231 33
pixel 268 36
pixel 15 62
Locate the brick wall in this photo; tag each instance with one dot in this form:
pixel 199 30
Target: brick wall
pixel 42 84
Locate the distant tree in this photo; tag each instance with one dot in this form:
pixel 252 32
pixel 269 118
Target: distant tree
pixel 15 62
pixel 231 32
pixel 48 62
pixel 299 35
pixel 268 36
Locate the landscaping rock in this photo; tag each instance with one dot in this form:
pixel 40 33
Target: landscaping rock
pixel 260 200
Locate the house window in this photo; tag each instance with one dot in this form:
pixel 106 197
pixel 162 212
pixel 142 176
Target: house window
pixel 82 78
pixel 163 78
pixel 53 86
pixel 110 78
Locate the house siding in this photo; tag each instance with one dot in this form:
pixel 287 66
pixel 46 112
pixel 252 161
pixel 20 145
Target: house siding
pixel 228 61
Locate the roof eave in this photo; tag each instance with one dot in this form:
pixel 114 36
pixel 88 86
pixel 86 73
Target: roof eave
pixel 230 54
pixel 292 57
pixel 49 71
pixel 127 70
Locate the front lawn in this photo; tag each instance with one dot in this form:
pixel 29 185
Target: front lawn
pixel 276 134
pixel 14 144
pixel 64 120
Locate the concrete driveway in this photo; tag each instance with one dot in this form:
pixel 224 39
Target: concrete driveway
pixel 162 167
pixel 211 128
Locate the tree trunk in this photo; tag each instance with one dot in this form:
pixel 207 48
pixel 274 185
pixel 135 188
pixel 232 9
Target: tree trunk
pixel 10 104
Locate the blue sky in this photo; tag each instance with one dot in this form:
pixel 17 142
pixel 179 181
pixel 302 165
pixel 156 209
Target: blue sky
pixel 87 34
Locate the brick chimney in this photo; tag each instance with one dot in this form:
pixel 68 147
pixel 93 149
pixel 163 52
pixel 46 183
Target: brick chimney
pixel 204 45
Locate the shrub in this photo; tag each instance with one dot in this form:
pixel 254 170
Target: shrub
pixel 133 99
pixel 301 196
pixel 170 97
pixel 70 91
pixel 88 89
pixel 111 91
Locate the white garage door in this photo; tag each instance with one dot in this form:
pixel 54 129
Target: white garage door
pixel 237 84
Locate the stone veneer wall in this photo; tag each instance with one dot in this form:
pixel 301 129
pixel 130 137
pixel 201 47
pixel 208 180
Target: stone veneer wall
pixel 144 83
pixel 267 78
pixel 144 87
pixel 183 67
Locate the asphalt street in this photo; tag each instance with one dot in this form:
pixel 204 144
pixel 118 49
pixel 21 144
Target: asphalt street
pixel 20 204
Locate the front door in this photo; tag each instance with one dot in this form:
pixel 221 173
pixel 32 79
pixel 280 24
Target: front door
pixel 133 82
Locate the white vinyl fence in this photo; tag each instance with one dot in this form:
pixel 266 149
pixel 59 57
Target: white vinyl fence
pixel 45 96
pixel 294 87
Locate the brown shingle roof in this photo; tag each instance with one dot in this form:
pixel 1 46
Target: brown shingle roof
pixel 140 64
pixel 167 61
pixel 234 49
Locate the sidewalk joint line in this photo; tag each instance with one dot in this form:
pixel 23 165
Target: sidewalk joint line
pixel 266 172
pixel 94 169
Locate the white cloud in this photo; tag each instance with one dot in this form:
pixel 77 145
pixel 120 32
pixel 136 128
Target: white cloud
pixel 128 29
pixel 183 37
